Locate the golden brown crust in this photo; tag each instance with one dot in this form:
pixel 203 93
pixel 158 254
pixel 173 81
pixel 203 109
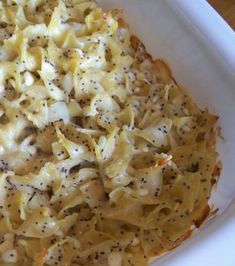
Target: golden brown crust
pixel 164 70
pixel 138 45
pixel 165 75
pixel 122 23
pixel 205 212
pixel 40 256
pixel 216 173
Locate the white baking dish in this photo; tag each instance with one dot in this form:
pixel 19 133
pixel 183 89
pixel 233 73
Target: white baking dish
pixel 200 49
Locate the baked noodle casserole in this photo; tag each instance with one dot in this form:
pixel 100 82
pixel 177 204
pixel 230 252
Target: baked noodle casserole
pixel 104 158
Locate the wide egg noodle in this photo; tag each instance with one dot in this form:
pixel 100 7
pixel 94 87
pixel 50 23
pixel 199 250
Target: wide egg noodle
pixel 104 158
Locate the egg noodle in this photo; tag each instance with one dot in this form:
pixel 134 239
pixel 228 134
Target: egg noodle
pixel 104 159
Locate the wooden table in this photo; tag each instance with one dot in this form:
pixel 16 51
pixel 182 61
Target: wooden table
pixel 226 8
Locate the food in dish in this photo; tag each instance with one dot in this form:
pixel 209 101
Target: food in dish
pixel 104 158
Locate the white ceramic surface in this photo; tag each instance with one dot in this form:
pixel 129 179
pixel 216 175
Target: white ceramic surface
pixel 200 49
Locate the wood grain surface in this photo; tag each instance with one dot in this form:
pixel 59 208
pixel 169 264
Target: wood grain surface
pixel 226 8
